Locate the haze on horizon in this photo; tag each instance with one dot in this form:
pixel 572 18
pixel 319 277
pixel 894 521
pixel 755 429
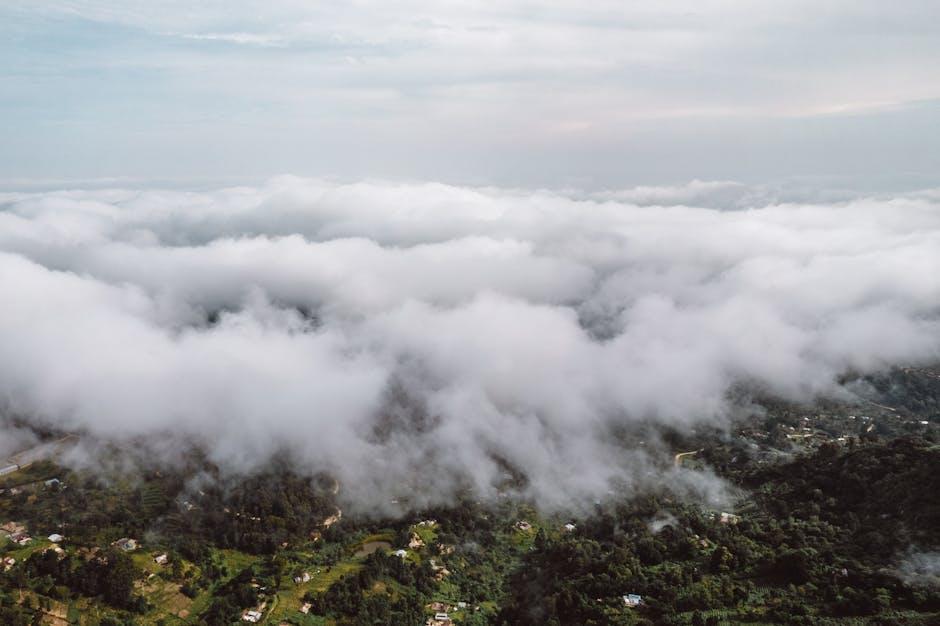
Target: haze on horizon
pixel 842 94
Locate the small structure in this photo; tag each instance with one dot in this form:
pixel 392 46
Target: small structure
pixel 440 572
pixel 302 578
pixel 569 528
pixel 523 525
pixel 59 551
pixel 20 539
pixel 442 617
pixel 252 616
pixel 161 559
pixel 332 519
pixel 632 600
pixel 56 537
pixel 8 469
pixel 8 562
pixel 126 544
pixel 53 482
pixel 401 553
pixel 415 542
pixel 305 607
pixel 729 518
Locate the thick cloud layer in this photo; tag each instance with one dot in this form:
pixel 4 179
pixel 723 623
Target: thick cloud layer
pixel 424 338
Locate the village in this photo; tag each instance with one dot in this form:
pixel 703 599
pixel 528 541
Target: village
pixel 198 555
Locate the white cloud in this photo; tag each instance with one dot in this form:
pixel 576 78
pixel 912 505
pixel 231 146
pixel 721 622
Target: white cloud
pixel 385 331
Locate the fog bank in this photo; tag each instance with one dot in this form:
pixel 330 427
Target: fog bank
pixel 431 336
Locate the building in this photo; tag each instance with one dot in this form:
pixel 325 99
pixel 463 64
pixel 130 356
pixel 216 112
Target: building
pixel 56 537
pixel 632 600
pixel 126 544
pixel 8 469
pixel 570 528
pixel 252 616
pixel 302 578
pixel 161 559
pixel 305 607
pixel 401 553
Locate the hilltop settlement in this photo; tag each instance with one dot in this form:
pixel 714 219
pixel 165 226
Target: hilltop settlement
pixel 834 519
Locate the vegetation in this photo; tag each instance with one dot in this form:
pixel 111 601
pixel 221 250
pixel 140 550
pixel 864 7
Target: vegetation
pixel 834 497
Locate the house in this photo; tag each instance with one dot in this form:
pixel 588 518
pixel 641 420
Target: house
pixel 441 572
pixel 20 539
pixel 441 617
pixel 161 559
pixel 8 469
pixel 126 544
pixel 523 525
pixel 632 600
pixel 401 553
pixel 302 578
pixel 729 518
pixel 56 537
pixel 569 528
pixel 252 616
pixel 305 607
pixel 53 482
pixel 332 519
pixel 415 542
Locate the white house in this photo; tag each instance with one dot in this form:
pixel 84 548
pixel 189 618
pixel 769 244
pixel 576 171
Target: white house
pixel 631 600
pixel 56 537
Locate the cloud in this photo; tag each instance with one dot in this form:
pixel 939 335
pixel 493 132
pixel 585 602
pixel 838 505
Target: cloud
pixel 420 339
pixel 920 569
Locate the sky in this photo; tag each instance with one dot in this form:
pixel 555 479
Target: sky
pixel 556 94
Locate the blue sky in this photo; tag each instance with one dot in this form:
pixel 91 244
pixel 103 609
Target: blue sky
pixel 511 93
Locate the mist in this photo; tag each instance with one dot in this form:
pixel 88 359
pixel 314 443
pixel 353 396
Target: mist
pixel 420 339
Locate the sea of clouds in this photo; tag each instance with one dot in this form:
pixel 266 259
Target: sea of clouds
pixel 425 338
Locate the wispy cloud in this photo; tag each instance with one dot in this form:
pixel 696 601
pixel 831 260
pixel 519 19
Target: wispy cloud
pixel 514 85
pixel 247 39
